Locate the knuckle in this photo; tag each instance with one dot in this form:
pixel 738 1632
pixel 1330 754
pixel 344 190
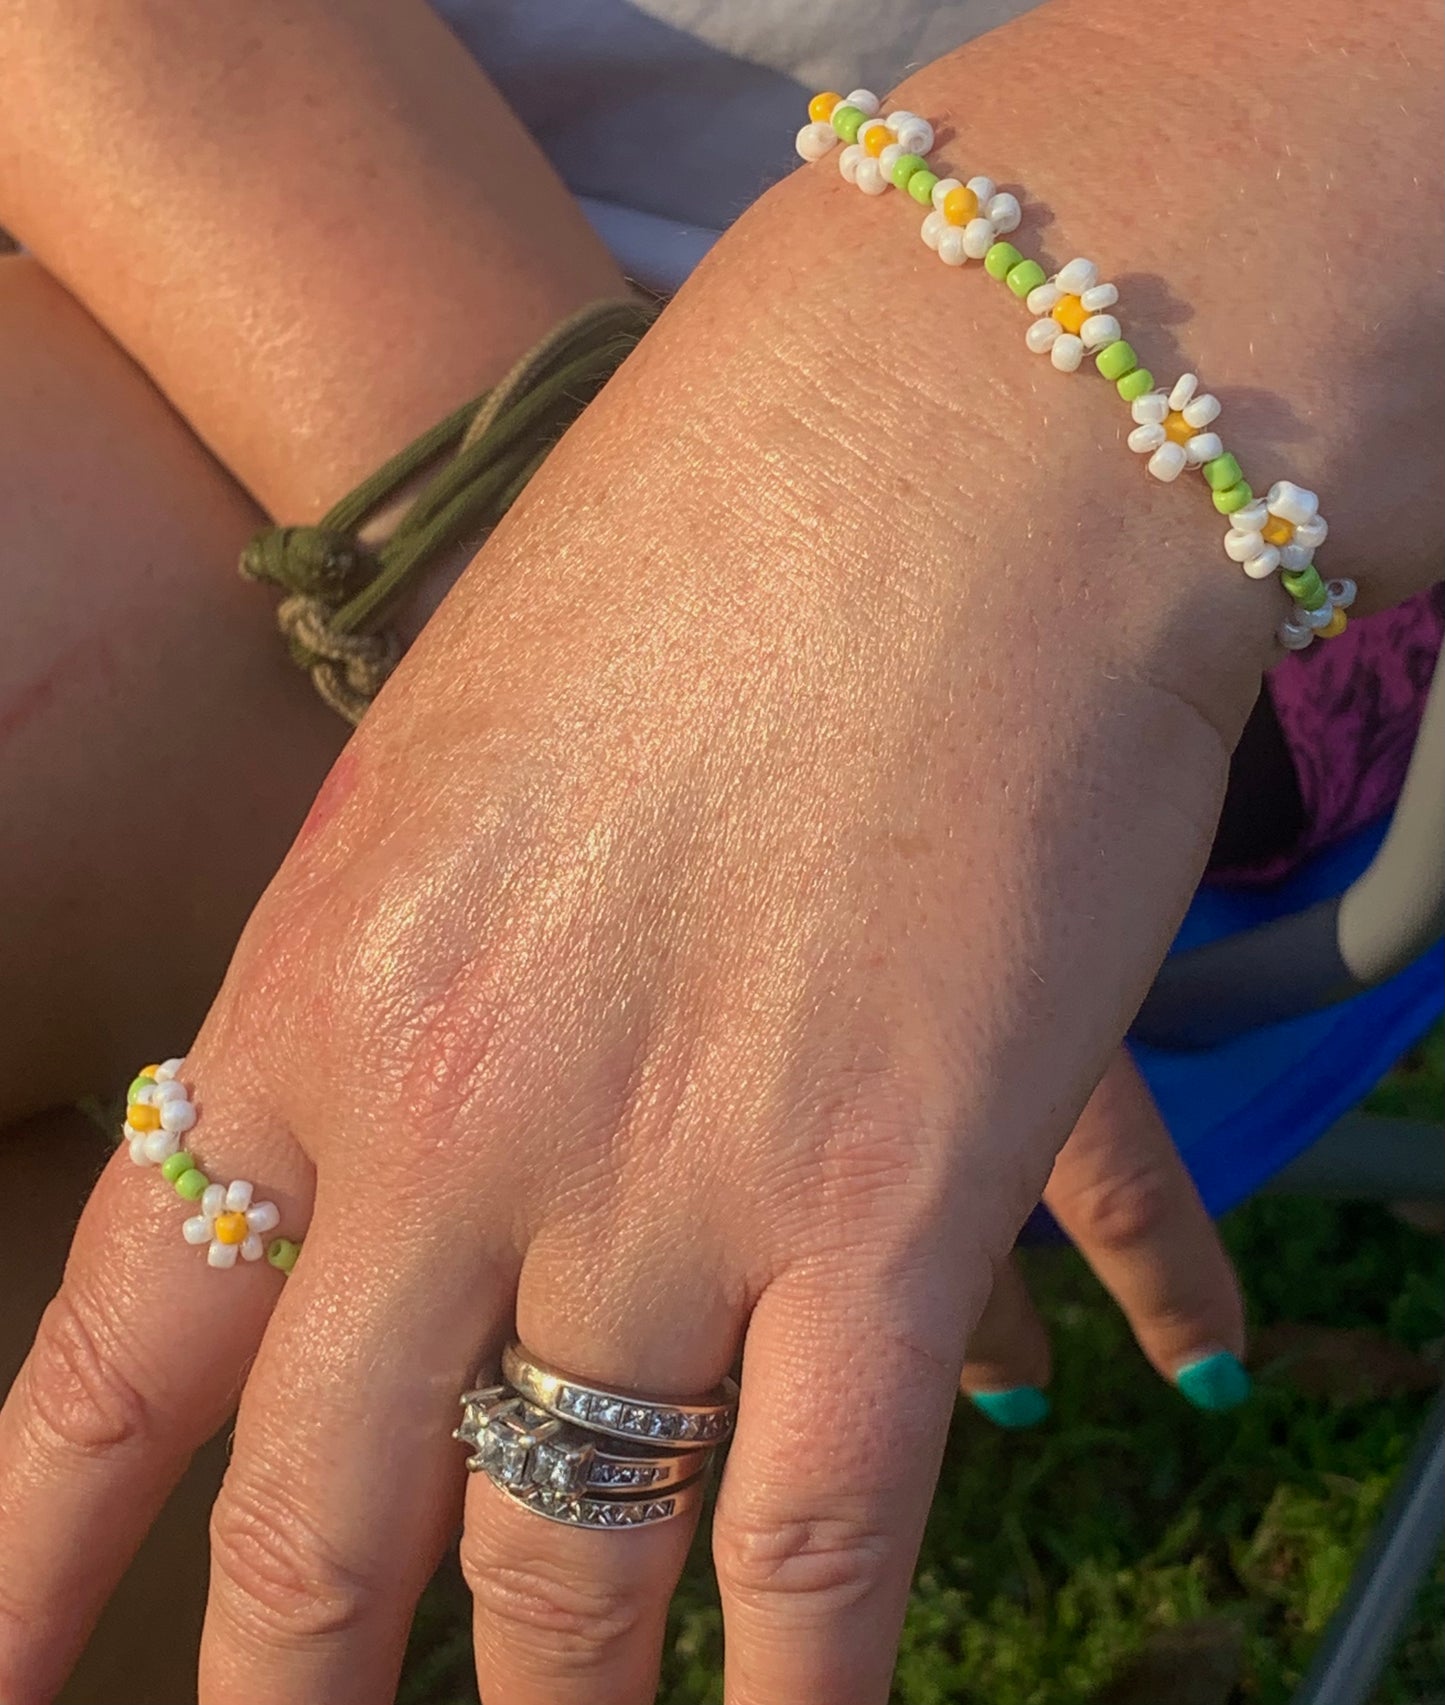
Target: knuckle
pixel 578 1620
pixel 833 1562
pixel 79 1397
pixel 274 1570
pixel 1125 1210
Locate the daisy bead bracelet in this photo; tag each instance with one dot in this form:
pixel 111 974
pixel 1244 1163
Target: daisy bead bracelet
pixel 233 1226
pixel 1175 429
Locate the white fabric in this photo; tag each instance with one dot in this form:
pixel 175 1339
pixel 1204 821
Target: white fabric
pixel 667 117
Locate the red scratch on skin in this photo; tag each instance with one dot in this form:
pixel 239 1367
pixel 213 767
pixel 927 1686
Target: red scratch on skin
pixel 335 791
pixel 78 660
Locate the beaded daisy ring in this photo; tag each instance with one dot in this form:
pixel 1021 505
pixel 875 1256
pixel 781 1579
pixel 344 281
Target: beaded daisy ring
pixel 158 1114
pixel 1174 427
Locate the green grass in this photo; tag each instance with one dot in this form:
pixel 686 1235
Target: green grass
pixel 1052 1558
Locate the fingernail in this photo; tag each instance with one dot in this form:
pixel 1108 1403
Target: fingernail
pixel 1215 1382
pixel 1020 1406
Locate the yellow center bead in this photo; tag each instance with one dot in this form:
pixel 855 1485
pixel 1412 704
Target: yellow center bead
pixel 1071 313
pixel 1335 627
pixel 876 138
pixel 1276 532
pixel 231 1228
pixel 960 205
pixel 1178 428
pixel 143 1118
pixel 820 108
pixel 148 1071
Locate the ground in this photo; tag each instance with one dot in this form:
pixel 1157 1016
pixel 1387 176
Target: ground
pixel 1131 1552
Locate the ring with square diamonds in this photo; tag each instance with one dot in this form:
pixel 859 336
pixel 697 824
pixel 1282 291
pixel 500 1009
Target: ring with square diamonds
pixel 706 1420
pixel 608 1513
pixel 520 1447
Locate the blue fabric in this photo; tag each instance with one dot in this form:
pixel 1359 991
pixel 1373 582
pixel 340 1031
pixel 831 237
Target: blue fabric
pixel 1241 1111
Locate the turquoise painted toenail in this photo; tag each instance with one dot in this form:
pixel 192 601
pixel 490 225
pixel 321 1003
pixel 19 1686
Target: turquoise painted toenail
pixel 1214 1383
pixel 1021 1406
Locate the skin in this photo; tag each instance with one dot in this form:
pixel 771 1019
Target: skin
pixel 668 1018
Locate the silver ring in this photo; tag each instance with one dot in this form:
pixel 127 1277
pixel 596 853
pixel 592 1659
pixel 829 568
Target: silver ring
pixel 607 1512
pixel 519 1446
pixel 645 1420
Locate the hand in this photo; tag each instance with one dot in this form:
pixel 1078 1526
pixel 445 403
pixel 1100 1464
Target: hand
pixel 1123 1194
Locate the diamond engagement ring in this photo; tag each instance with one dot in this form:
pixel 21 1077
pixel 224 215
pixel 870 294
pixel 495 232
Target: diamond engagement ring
pixel 522 1448
pixel 642 1420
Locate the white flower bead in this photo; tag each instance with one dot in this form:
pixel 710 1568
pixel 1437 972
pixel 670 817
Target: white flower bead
pixel 952 249
pixel 1251 518
pixel 1293 636
pixel 1341 593
pixel 978 238
pixel 915 137
pixel 934 225
pixel 1042 298
pixel 1098 330
pixel 984 188
pixel 1240 547
pixel 222 1254
pixel 172 1091
pixel 197 1230
pixel 238 1196
pixel 1167 462
pixel 161 1145
pixel 942 189
pixel 1146 438
pixel 849 159
pixel 865 101
pixel 1077 276
pixel 1203 447
pixel 138 1149
pixel 1067 352
pixel 213 1200
pixel 813 141
pixel 1263 563
pixel 1320 618
pixel 169 1071
pixel 252 1248
pixel 896 120
pixel 1201 410
pixel 869 177
pixel 1042 335
pixel 1312 532
pixel 894 151
pixel 177 1116
pixel 1005 212
pixel 1150 409
pixel 145 1096
pixel 1291 502
pixel 1098 297
pixel 264 1217
pixel 1184 388
pixel 1295 557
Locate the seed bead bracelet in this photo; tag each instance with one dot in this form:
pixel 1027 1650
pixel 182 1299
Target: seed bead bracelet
pixel 1174 428
pixel 158 1113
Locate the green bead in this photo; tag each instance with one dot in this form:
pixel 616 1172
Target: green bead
pixel 1026 276
pixel 920 187
pixel 282 1254
pixel 1234 497
pixel 846 121
pixel 137 1085
pixel 192 1185
pixel 1116 359
pixel 1135 384
pixel 1001 259
pixel 904 167
pixel 1306 587
pixel 176 1166
pixel 1223 472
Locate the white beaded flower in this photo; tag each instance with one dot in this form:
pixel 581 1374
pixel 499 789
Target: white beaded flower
pixel 1300 626
pixel 158 1114
pixel 989 213
pixel 1283 529
pixel 1171 429
pixel 231 1223
pixel 1071 315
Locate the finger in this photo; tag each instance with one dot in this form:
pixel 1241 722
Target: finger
pixel 848 1386
pixel 1008 1355
pixel 563 1616
pixel 344 1482
pixel 137 1362
pixel 1123 1194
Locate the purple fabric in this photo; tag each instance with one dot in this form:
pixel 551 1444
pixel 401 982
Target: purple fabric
pixel 1349 709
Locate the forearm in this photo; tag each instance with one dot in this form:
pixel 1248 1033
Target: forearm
pixel 317 226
